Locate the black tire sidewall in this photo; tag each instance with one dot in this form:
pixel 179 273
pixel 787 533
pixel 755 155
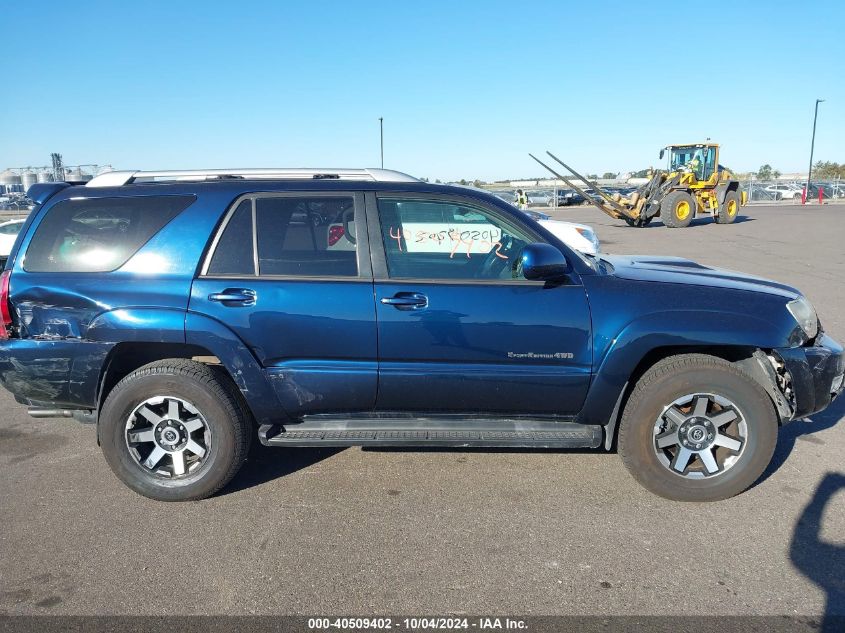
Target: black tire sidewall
pixel 127 396
pixel 670 203
pixel 724 217
pixel 636 443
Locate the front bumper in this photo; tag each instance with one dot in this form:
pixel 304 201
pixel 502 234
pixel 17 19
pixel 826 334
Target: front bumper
pixel 816 372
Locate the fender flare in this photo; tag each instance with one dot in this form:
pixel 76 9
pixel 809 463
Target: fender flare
pixel 174 326
pixel 723 188
pixel 245 370
pixel 686 330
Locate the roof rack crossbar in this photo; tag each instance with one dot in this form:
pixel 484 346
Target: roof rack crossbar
pixel 120 178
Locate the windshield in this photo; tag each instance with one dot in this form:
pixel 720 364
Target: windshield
pixel 696 158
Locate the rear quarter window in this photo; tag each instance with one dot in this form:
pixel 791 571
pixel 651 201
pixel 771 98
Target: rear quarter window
pixel 99 234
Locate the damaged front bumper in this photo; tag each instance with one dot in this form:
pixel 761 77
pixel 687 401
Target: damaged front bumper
pixel 815 375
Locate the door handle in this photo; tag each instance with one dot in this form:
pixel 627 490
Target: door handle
pixel 240 296
pixel 406 301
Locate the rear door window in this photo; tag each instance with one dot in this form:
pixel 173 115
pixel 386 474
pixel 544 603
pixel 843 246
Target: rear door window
pixel 98 234
pixel 289 236
pixel 306 236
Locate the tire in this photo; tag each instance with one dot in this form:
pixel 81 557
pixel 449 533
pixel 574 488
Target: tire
pixel 729 210
pixel 677 209
pixel 648 419
pixel 638 223
pixel 209 427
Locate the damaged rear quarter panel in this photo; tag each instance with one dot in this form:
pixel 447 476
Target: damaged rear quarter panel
pixel 68 326
pixel 69 322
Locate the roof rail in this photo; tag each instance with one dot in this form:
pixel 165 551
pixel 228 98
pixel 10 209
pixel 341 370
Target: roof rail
pixel 120 178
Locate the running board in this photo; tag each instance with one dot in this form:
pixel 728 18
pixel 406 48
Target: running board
pixel 451 434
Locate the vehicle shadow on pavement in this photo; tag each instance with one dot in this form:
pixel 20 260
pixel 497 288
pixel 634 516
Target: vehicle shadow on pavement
pixel 267 463
pixel 802 430
pixel 697 222
pixel 820 561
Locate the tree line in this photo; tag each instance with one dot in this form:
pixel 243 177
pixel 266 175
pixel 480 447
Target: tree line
pixel 822 170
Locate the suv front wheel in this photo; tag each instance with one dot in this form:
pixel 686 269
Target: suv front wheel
pixel 174 430
pixel 697 428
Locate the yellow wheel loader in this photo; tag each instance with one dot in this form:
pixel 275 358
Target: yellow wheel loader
pixel 693 183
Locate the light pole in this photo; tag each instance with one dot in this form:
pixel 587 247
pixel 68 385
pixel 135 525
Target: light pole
pixel 381 137
pixel 812 146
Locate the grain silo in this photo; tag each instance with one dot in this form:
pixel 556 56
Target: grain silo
pixel 28 178
pixel 9 177
pixel 77 175
pixel 10 181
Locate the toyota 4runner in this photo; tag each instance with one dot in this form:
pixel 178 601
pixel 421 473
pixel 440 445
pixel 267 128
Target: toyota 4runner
pixel 184 313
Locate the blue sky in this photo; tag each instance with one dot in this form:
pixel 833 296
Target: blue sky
pixel 466 89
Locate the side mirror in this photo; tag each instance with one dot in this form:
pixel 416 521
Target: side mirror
pixel 661 153
pixel 542 262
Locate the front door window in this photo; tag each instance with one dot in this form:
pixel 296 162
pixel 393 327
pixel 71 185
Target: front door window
pixel 425 239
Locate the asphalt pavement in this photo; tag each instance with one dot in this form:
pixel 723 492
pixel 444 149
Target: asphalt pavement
pixel 366 532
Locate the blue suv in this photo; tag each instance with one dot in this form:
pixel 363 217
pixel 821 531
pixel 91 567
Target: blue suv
pixel 184 313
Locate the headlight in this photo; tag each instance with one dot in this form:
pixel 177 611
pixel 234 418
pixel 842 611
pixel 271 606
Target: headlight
pixel 590 236
pixel 805 315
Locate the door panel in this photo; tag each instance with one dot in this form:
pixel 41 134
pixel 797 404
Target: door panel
pixel 314 335
pixel 459 329
pixel 484 348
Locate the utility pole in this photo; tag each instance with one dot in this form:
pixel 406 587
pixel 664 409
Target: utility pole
pixel 812 147
pixel 381 136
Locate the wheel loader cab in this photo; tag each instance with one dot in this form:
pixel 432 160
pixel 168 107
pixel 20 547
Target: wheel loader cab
pixel 700 160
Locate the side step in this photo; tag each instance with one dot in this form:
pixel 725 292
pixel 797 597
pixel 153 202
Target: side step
pixel 426 433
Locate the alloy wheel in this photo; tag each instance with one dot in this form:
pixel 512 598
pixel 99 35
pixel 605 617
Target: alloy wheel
pixel 700 435
pixel 167 436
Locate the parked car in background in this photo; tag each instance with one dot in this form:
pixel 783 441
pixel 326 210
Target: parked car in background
pixel 828 191
pixel 786 191
pixel 507 196
pixel 579 236
pixel 18 204
pixel 8 233
pixel 592 193
pixel 758 192
pixel 539 198
pixel 568 197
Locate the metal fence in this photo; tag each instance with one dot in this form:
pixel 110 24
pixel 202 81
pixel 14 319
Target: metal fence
pixel 793 191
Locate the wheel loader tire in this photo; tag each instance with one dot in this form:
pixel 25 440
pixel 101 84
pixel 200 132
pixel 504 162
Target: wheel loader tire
pixel 729 209
pixel 677 209
pixel 638 223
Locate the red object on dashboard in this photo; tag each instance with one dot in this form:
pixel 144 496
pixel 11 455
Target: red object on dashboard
pixel 335 233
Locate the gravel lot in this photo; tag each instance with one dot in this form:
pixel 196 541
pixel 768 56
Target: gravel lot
pixel 439 531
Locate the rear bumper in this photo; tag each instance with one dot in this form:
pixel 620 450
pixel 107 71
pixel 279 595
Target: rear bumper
pixel 52 373
pixel 816 372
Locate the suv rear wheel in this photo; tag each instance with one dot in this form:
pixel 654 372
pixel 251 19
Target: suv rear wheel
pixel 174 430
pixel 697 428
